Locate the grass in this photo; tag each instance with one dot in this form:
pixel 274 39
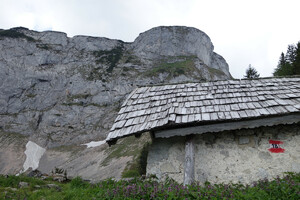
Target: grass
pixel 215 71
pixel 287 187
pixel 184 65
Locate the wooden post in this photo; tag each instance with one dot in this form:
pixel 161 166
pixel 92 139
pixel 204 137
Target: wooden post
pixel 189 165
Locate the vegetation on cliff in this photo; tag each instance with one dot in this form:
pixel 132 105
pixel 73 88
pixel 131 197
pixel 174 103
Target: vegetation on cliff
pixel 13 33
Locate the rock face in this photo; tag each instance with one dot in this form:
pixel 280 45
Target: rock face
pixel 178 41
pixel 58 91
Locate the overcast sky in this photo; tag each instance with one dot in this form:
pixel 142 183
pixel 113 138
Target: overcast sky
pixel 243 31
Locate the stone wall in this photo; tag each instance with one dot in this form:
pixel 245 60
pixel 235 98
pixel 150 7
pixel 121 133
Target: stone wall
pixel 229 156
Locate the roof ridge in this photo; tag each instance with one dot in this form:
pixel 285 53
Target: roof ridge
pixel 213 81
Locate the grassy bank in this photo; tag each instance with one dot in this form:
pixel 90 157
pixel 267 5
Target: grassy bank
pixel 280 188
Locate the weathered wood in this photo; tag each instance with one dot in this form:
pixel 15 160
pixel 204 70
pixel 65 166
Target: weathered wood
pixel 189 165
pixel 209 103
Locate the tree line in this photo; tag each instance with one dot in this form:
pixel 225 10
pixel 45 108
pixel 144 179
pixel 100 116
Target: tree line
pixel 288 64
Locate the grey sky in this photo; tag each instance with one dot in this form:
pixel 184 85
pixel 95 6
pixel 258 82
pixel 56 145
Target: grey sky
pixel 244 32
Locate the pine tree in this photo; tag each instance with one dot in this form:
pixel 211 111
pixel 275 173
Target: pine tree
pixel 251 73
pixel 289 64
pixel 284 67
pixel 291 53
pixel 296 63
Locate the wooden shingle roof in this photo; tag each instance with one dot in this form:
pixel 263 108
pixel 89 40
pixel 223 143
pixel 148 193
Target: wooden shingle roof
pixel 156 107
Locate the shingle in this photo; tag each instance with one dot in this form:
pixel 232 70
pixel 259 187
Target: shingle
pixel 271 102
pixel 243 106
pixel 191 118
pixel 234 115
pixel 149 107
pixel 122 110
pixel 279 109
pixel 198 117
pixel 221 115
pixel 206 103
pixel 291 95
pixel 178 119
pixel 261 98
pixel 256 105
pixel 154 123
pixel 184 118
pixel 216 108
pixel 209 109
pixel 251 113
pixel 281 102
pixel 263 104
pixel 263 111
pixel 227 108
pixel 234 107
pixel 222 108
pixel 213 116
pixel 291 108
pixel 205 116
pixel 242 114
pixel 129 122
pixel 271 111
pixel 172 117
pixel 227 115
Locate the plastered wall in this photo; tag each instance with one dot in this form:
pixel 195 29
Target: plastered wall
pixel 229 156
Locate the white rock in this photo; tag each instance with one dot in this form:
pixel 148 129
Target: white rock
pixel 33 155
pixel 94 144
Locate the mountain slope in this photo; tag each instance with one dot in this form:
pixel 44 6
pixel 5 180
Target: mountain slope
pixel 61 92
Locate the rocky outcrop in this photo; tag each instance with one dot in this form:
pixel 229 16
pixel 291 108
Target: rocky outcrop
pixel 58 91
pixel 178 41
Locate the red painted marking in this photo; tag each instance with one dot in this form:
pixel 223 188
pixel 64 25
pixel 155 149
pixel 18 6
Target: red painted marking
pixel 276 150
pixel 275 142
pixel 275 146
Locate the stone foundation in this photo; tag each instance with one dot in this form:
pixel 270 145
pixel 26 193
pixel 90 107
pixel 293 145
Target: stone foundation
pixel 229 156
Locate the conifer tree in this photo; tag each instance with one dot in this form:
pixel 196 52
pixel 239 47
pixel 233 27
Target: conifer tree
pixel 289 64
pixel 251 73
pixel 296 64
pixel 284 67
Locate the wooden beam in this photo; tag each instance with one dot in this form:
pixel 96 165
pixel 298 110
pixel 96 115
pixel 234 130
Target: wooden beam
pixel 226 126
pixel 189 165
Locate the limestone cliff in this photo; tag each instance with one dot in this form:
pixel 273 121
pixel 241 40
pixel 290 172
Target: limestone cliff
pixel 60 92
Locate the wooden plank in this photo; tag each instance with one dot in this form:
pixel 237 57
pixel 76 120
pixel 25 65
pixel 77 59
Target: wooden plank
pixel 189 164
